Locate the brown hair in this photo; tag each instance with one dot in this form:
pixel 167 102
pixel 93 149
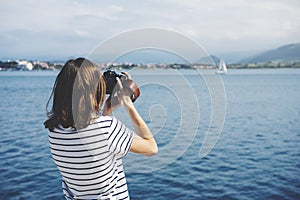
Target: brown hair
pixel 78 92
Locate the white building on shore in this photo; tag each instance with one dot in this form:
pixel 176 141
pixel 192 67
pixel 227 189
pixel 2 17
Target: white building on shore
pixel 24 65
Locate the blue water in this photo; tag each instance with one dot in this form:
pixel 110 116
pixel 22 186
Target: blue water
pixel 256 157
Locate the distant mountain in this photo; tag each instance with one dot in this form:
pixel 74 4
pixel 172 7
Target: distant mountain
pixel 208 60
pixel 286 53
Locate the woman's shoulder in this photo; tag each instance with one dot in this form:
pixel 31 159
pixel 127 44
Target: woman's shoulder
pixel 105 120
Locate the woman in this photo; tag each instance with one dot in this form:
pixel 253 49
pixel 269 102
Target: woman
pixel 88 147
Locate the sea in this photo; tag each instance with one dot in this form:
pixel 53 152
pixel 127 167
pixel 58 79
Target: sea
pixel 233 136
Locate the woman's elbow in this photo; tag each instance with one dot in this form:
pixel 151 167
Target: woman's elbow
pixel 147 147
pixel 153 151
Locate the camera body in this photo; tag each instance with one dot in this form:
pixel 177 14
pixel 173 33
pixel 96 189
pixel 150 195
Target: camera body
pixel 111 81
pixel 128 84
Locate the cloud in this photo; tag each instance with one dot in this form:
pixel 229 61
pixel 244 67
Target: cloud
pixel 220 26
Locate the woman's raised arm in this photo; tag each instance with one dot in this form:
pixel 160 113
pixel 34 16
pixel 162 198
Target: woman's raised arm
pixel 144 142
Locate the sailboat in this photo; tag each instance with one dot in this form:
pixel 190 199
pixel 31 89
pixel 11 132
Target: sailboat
pixel 222 67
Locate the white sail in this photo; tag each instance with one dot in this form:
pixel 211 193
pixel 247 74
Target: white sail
pixel 222 67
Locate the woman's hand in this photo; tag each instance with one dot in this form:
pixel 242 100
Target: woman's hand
pixel 124 94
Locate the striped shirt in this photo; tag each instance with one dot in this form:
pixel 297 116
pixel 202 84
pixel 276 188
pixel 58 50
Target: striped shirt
pixel 90 159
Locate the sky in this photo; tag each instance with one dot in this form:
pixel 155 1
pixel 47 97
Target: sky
pixel 60 29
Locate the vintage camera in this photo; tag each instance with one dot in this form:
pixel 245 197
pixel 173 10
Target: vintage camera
pixel 111 81
pixel 128 84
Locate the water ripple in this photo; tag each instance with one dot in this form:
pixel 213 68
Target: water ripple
pixel 256 157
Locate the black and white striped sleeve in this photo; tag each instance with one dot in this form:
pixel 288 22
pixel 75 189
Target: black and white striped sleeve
pixel 119 138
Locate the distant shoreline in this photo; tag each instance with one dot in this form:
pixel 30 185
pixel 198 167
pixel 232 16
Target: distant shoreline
pixel 120 69
pixel 45 66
